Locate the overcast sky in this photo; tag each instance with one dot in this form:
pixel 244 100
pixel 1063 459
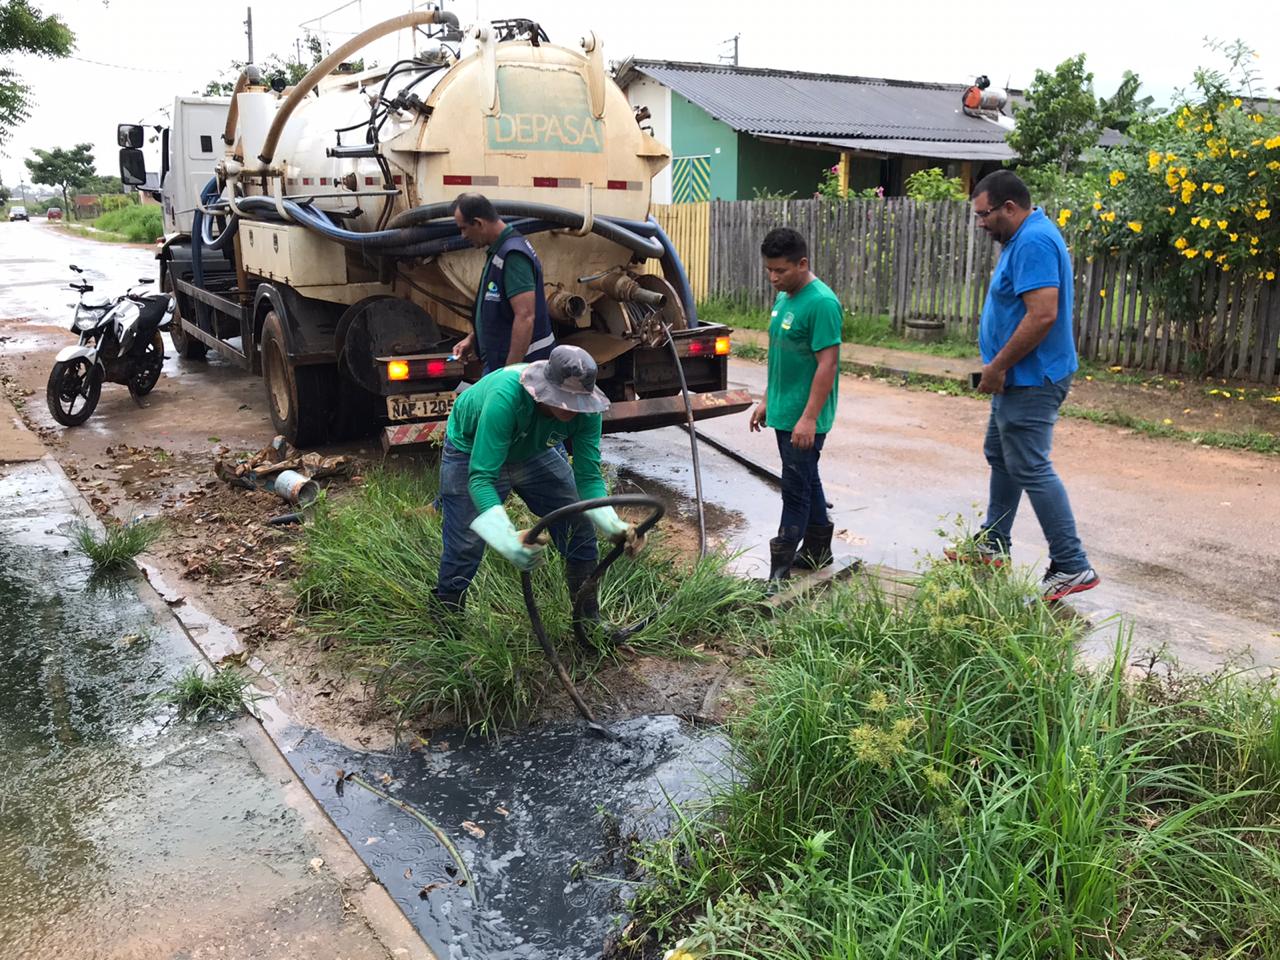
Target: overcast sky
pixel 147 51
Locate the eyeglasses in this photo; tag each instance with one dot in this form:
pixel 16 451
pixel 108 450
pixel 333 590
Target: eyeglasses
pixel 983 214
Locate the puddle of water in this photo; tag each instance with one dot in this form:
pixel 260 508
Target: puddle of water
pixel 547 811
pixel 116 827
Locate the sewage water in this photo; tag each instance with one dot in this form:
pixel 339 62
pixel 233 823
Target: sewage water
pixel 540 820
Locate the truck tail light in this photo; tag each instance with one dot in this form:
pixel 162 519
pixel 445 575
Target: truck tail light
pixel 723 346
pixel 436 368
pixel 398 370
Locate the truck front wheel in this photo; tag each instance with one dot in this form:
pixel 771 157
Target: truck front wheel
pixel 301 398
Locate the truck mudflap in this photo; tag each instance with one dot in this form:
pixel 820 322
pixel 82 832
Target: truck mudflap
pixel 621 417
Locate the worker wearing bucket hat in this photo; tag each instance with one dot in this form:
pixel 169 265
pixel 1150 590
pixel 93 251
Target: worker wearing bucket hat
pixel 508 433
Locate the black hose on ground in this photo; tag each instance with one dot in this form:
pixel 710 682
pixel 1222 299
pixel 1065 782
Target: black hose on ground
pixel 526 582
pixel 693 445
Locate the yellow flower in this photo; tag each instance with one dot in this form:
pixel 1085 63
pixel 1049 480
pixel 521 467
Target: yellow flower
pixel 1269 275
pixel 1271 144
pixel 1171 178
pixel 1102 293
pixel 1253 240
pixel 1191 254
pixel 1262 214
pixel 1135 226
pixel 1206 185
pixel 1273 165
pixel 1097 205
pixel 1236 102
pixel 1208 254
pixel 1222 224
pixel 1168 422
pixel 1226 267
pixel 1172 210
pixel 1233 237
pixel 1109 216
pixel 1218 188
pixel 1207 128
pixel 1181 243
pixel 1153 159
pixel 1117 177
pixel 1063 216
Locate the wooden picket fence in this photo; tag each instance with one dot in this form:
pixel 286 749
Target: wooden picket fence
pixel 923 262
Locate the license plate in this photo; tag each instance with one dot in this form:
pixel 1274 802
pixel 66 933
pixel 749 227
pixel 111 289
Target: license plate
pixel 416 406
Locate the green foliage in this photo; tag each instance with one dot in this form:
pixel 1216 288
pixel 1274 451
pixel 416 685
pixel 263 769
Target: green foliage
pixel 1193 188
pixel 758 193
pixel 290 69
pixel 945 778
pixel 118 544
pixel 1060 118
pixel 117 201
pixel 932 184
pixel 201 696
pixel 65 169
pixel 24 29
pixel 369 568
pixel 140 224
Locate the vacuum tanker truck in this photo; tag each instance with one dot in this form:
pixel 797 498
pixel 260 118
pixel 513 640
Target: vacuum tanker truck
pixel 310 238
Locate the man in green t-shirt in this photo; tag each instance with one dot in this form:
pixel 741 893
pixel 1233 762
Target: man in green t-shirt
pixel 800 398
pixel 507 433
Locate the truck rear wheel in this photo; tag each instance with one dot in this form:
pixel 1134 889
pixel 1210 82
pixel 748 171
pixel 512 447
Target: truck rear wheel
pixel 301 398
pixel 184 345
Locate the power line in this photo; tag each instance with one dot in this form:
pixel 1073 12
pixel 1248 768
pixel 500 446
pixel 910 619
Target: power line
pixel 120 66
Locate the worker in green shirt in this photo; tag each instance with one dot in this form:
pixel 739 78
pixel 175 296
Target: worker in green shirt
pixel 800 398
pixel 510 323
pixel 507 433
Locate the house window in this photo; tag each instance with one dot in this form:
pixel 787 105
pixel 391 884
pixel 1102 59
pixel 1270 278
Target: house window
pixel 690 179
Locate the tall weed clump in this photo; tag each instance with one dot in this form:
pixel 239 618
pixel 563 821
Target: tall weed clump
pixel 946 779
pixel 369 568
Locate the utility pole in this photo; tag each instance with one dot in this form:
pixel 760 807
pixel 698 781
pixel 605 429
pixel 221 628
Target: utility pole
pixel 731 57
pixel 248 30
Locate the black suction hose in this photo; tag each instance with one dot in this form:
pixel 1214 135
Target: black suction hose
pixel 693 445
pixel 555 516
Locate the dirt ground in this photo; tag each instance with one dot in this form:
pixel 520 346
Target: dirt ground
pixel 1193 405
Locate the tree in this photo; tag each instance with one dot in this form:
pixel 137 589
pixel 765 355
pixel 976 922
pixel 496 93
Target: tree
pixel 1060 119
pixel 65 169
pixel 24 29
pixel 102 185
pixel 290 69
pixel 1123 108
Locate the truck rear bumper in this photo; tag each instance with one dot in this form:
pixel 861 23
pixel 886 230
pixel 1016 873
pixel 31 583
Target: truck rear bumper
pixel 622 417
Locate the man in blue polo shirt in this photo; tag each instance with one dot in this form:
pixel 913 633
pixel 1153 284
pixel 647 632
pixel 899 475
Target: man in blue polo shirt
pixel 1029 357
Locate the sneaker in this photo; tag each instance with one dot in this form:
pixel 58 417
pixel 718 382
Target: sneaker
pixel 1058 584
pixel 976 552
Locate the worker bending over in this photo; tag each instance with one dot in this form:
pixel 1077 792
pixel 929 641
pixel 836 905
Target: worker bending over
pixel 507 433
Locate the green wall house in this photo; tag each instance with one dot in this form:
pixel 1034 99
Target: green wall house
pixel 737 133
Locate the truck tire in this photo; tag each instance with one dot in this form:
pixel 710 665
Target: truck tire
pixel 300 398
pixel 184 345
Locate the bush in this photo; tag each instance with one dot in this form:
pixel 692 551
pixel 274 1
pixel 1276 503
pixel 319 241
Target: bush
pixel 141 224
pixel 948 780
pixel 117 201
pixel 118 545
pixel 933 184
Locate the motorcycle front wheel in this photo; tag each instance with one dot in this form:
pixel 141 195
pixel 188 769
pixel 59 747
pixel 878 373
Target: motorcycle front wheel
pixel 73 391
pixel 146 369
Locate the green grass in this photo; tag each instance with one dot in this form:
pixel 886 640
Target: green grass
pixel 115 548
pixel 873 331
pixel 138 224
pixel 948 780
pixel 1256 441
pixel 199 695
pixel 368 569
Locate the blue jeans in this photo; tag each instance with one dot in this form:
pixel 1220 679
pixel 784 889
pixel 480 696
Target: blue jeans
pixel 1019 438
pixel 544 482
pixel 804 504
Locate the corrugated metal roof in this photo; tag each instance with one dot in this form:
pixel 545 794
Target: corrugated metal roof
pixel 895 146
pixel 786 103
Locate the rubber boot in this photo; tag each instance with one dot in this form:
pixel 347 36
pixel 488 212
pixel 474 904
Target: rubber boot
pixel 451 602
pixel 782 556
pixel 575 575
pixel 815 549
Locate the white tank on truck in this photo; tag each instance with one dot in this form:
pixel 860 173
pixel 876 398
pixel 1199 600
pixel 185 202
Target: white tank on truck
pixel 323 252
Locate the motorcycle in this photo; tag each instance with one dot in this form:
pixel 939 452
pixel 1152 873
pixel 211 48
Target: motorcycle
pixel 119 343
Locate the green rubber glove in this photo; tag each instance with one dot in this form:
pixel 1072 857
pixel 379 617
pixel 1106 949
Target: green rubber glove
pixel 496 529
pixel 611 526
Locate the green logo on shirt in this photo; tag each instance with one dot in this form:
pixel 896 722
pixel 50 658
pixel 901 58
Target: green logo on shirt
pixel 788 320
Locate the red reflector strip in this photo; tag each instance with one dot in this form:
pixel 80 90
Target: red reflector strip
pixel 397 179
pixel 368 181
pixel 324 181
pixel 456 180
pixel 546 181
pixel 625 185
pixel 412 432
pixel 306 181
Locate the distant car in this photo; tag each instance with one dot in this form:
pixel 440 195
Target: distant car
pixel 18 213
pixel 53 213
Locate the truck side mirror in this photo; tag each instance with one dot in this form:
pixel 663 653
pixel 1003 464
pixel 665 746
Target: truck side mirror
pixel 133 167
pixel 129 135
